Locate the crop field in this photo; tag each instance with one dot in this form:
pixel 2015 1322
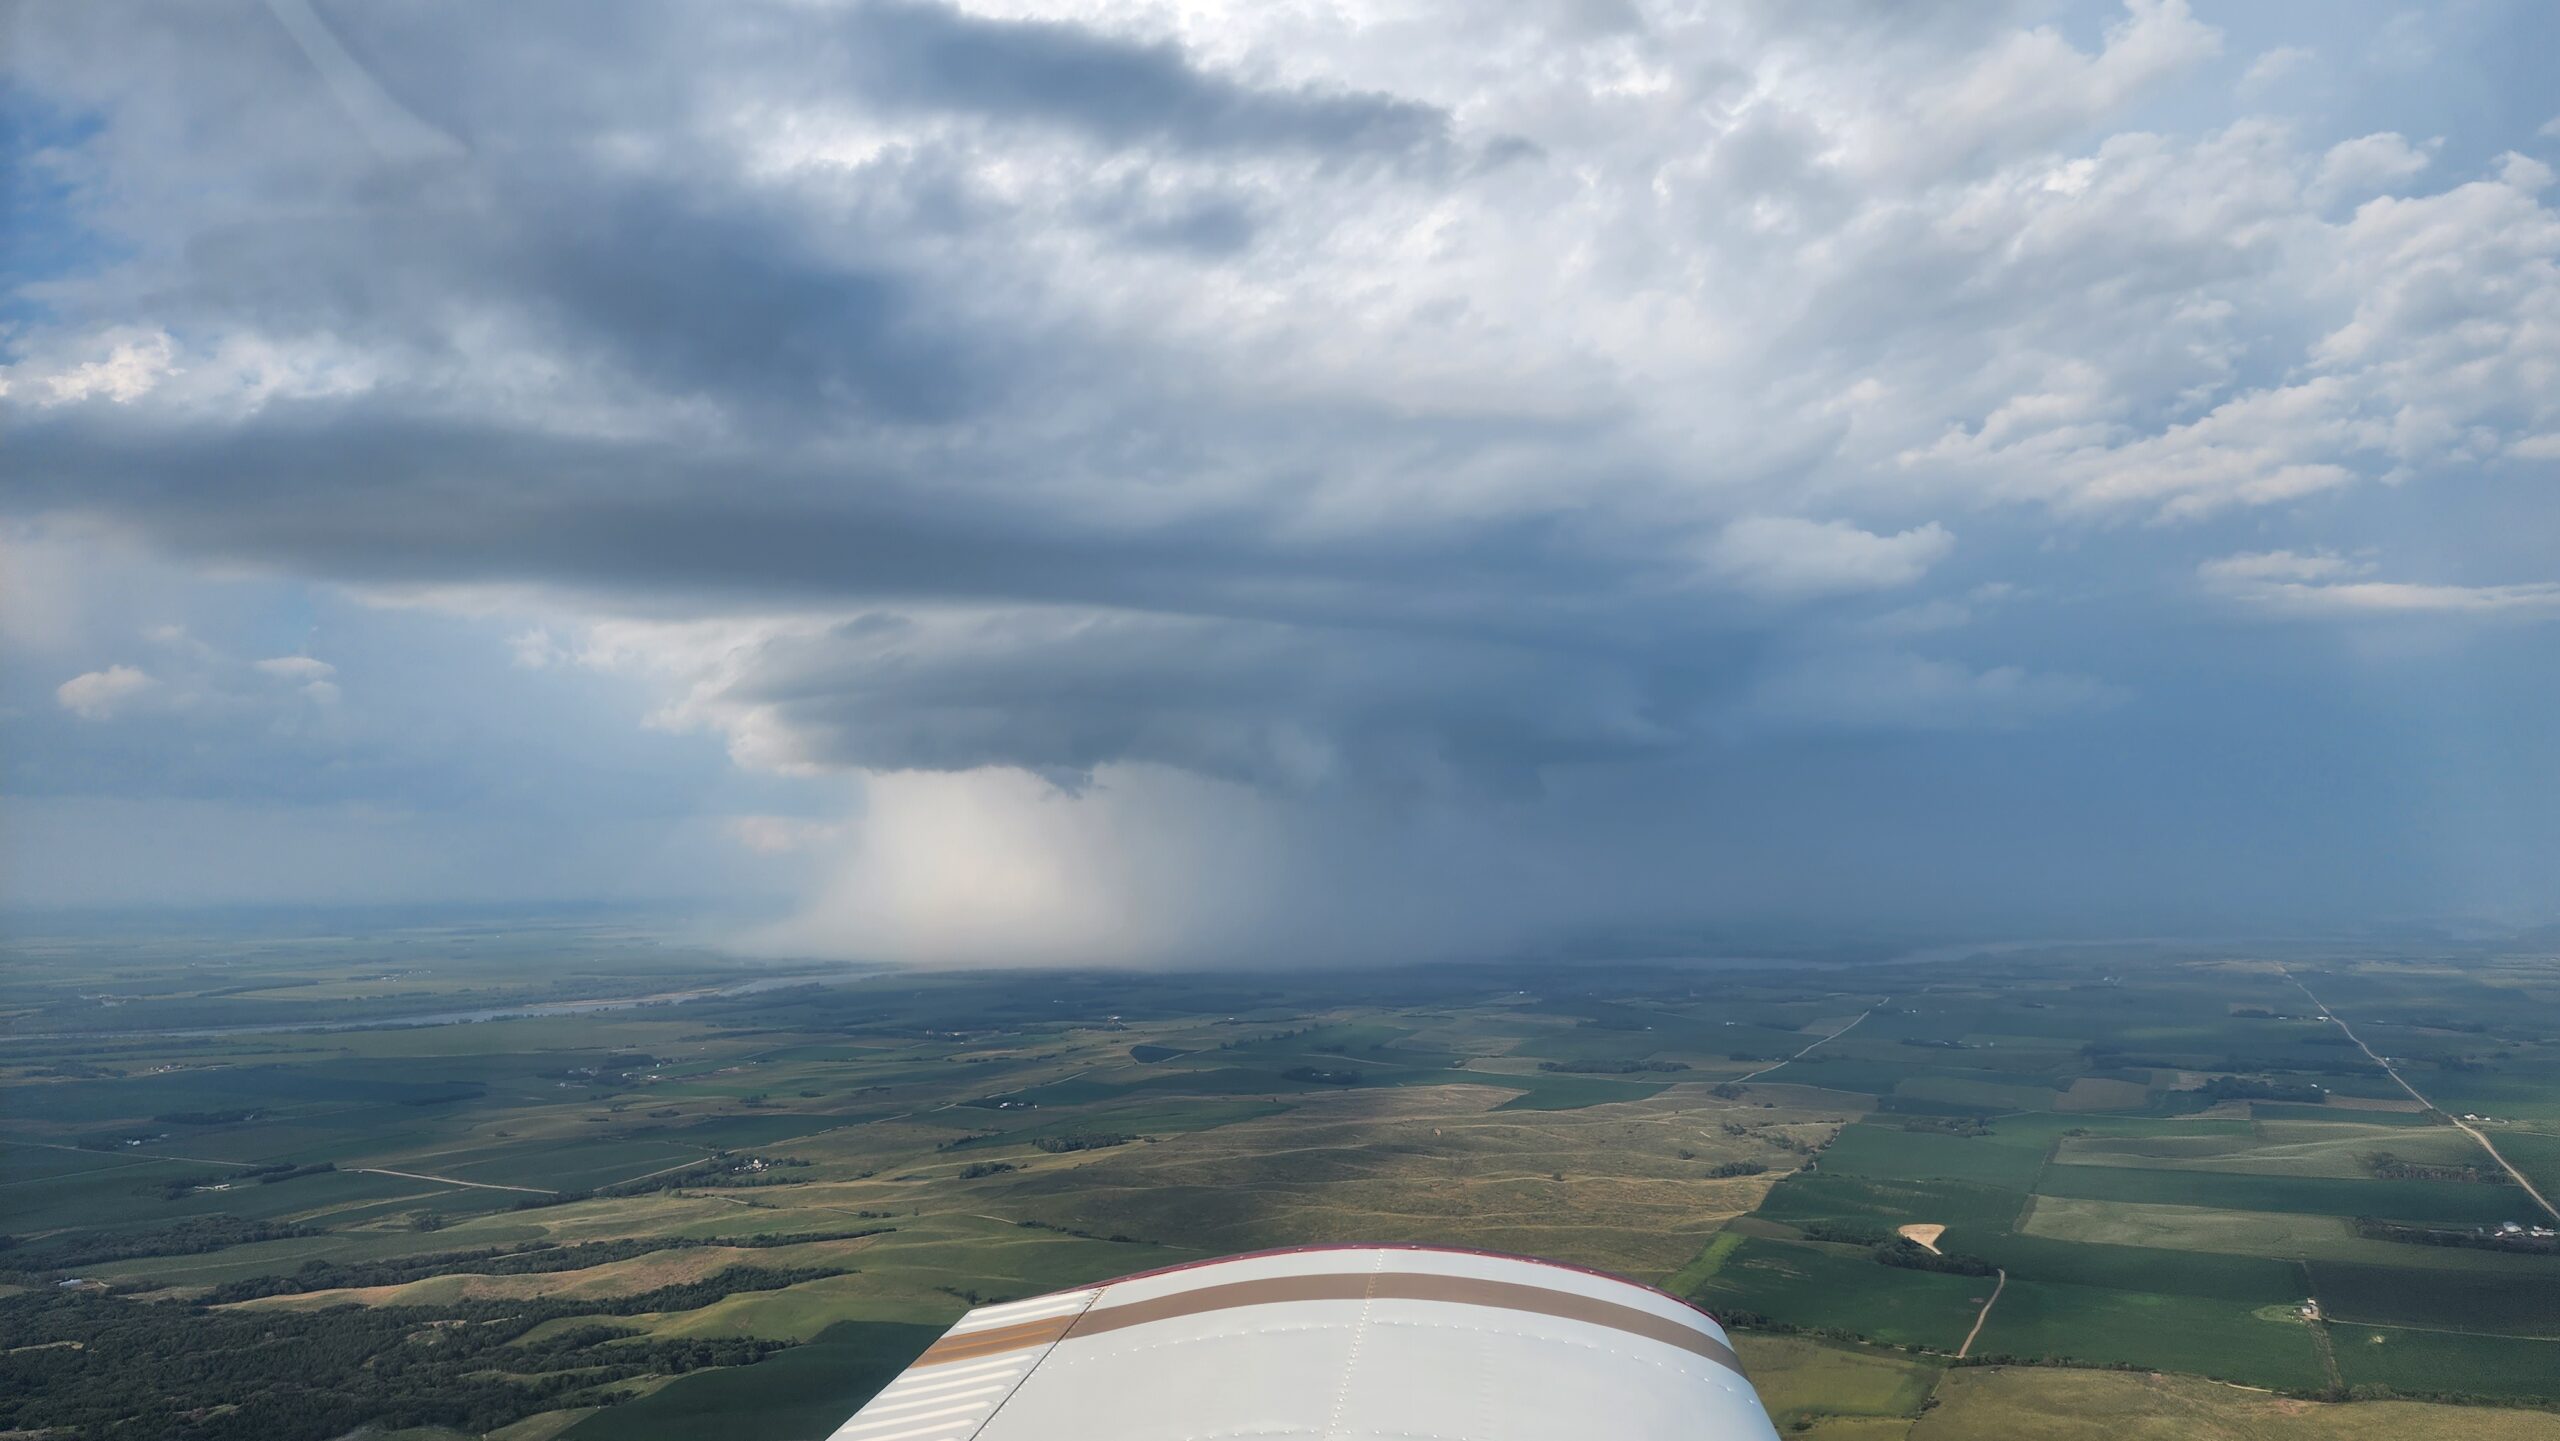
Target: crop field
pixel 2043 1404
pixel 671 1194
pixel 2264 1345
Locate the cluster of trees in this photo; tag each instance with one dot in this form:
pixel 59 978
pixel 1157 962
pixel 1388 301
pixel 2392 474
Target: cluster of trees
pixel 1843 1234
pixel 2391 1168
pixel 2106 1055
pixel 1061 1145
pixel 1910 1255
pixel 725 1170
pixel 976 1169
pixel 1611 1068
pixel 1947 1125
pixel 192 1237
pixel 180 1187
pixel 1078 1231
pixel 1729 1169
pixel 2255 1088
pixel 2476 1238
pixel 151 1368
pixel 1232 1042
pixel 1318 1075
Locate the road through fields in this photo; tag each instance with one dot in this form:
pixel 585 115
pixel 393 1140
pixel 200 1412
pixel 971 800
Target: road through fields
pixel 1800 1055
pixel 2456 1122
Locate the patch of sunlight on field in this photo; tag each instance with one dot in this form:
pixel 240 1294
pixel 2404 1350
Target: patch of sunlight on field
pixel 1707 1263
pixel 2098 1093
pixel 1607 1186
pixel 2187 1228
pixel 543 1427
pixel 651 1272
pixel 2052 1404
pixel 2280 1148
pixel 1852 1428
pixel 1799 1378
pixel 2236 1233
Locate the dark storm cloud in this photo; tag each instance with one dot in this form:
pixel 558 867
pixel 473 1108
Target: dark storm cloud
pixel 1113 90
pixel 896 388
pixel 1064 693
pixel 364 490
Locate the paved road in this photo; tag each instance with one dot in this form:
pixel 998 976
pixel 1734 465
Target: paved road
pixel 2458 1124
pixel 450 1180
pixel 1800 1055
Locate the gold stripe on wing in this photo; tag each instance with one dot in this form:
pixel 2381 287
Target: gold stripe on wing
pixel 1410 1286
pixel 995 1340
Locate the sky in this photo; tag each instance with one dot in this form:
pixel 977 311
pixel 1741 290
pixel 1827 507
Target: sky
pixel 1031 480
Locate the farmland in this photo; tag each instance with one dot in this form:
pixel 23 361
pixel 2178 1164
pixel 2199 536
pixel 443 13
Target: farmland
pixel 668 1193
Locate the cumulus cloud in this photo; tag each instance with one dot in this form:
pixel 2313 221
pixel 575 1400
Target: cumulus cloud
pixel 2368 164
pixel 2273 65
pixel 99 694
pixel 120 365
pixel 2323 584
pixel 1783 557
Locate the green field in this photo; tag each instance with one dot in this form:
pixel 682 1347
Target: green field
pixel 2516 1302
pixel 1825 1288
pixel 1800 1380
pixel 800 1395
pixel 737 1214
pixel 2224 1340
pixel 2426 1363
pixel 2043 1404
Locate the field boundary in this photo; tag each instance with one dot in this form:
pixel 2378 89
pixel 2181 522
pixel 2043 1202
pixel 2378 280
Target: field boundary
pixel 1800 1055
pixel 1993 1300
pixel 2450 1119
pixel 450 1180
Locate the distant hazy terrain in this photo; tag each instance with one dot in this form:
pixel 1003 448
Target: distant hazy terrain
pixel 275 1190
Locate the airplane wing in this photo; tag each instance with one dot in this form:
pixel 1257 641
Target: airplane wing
pixel 1329 1343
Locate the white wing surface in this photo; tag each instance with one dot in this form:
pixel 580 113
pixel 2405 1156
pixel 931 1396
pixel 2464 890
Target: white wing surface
pixel 1330 1343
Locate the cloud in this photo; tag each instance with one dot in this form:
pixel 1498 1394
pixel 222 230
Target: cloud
pixel 2273 65
pixel 313 678
pixel 2321 584
pixel 297 668
pixel 394 131
pixel 1112 90
pixel 133 363
pixel 1785 557
pixel 1333 431
pixel 1158 867
pixel 2279 566
pixel 780 835
pixel 2368 164
pixel 1066 692
pixel 1893 690
pixel 100 694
